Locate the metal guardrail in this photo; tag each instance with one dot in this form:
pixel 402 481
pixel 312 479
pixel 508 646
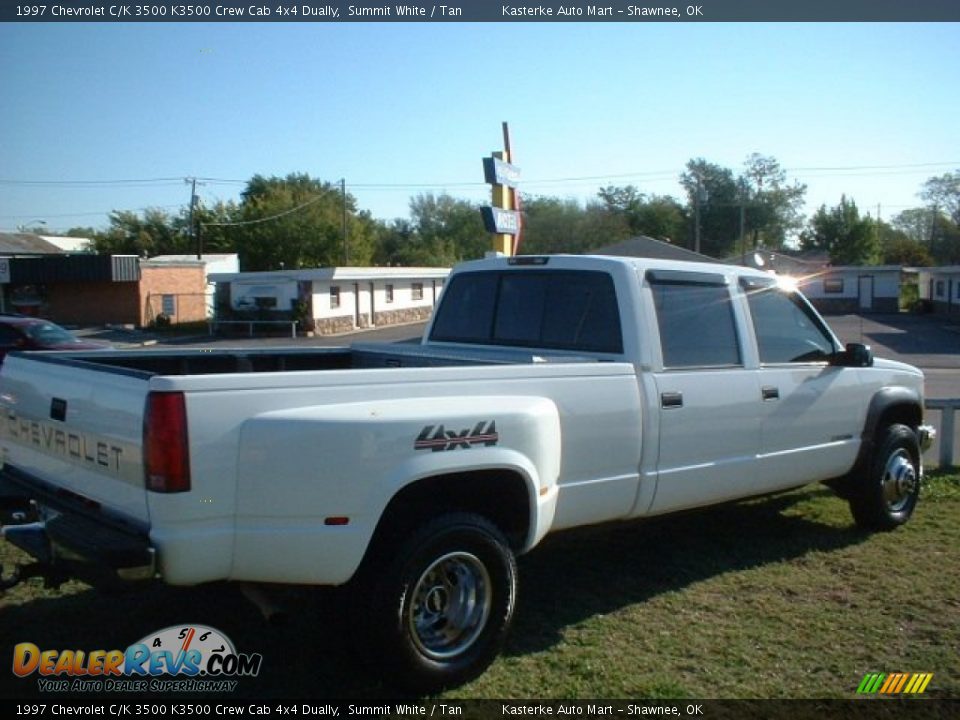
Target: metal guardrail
pixel 947 431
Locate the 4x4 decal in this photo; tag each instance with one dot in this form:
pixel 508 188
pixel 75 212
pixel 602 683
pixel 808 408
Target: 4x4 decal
pixel 437 438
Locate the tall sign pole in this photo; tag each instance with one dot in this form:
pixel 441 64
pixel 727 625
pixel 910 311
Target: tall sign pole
pixel 502 217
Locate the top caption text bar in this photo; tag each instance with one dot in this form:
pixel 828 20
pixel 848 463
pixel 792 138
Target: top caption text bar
pixel 488 11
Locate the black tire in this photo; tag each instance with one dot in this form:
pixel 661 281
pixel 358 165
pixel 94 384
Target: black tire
pixel 885 497
pixel 443 603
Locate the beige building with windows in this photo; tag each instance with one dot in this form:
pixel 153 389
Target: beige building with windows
pixel 940 287
pixel 854 289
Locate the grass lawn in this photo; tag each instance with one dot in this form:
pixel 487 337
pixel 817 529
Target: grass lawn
pixel 778 598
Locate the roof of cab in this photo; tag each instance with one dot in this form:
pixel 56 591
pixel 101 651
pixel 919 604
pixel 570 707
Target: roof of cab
pixel 606 262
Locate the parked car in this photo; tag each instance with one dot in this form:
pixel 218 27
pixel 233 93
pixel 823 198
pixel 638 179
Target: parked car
pixel 22 332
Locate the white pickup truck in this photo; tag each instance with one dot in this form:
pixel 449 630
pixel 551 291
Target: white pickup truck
pixel 548 393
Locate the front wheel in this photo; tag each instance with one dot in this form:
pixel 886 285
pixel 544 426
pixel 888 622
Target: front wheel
pixel 444 603
pixel 887 495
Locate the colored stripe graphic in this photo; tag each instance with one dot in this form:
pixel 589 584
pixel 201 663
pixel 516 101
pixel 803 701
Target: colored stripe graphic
pixel 894 683
pixel 871 683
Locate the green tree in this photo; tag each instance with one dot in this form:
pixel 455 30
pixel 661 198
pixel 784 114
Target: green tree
pixel 943 193
pixel 213 224
pixel 449 230
pixel 563 225
pixel 898 248
pixel 79 231
pixel 849 238
pixel 916 224
pixel 714 189
pixel 772 206
pixel 656 216
pixel 297 222
pixel 153 233
pixel 394 240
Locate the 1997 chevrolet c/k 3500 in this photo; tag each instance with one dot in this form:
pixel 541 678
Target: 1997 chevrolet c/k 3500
pixel 548 392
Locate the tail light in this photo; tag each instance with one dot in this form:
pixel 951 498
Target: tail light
pixel 166 450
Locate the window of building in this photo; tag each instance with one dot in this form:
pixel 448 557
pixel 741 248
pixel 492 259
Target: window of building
pixel 787 331
pixel 389 293
pixel 563 310
pixel 833 286
pixel 941 289
pixel 417 291
pixel 696 320
pixel 334 296
pixel 169 304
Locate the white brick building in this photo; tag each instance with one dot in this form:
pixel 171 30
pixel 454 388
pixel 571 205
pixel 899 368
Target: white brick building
pixel 332 300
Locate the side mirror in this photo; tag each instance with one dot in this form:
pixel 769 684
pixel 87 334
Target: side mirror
pixel 855 355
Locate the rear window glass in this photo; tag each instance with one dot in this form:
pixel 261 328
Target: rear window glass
pixel 556 309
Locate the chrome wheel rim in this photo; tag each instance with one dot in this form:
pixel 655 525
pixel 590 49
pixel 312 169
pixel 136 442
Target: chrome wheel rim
pixel 899 480
pixel 450 605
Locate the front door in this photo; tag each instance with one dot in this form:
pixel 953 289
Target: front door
pixel 812 411
pixel 866 293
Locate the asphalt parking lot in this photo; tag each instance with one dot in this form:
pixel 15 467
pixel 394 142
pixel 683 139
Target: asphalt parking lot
pixel 926 341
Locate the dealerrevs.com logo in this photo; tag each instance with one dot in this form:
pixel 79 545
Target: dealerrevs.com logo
pixel 180 658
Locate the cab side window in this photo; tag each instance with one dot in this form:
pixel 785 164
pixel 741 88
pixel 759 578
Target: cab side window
pixel 787 332
pixel 696 320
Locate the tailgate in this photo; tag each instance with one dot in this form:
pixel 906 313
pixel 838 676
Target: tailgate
pixel 77 427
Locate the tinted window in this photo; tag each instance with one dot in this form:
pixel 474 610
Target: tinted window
pixel 8 336
pixel 697 326
pixel 553 309
pixel 49 334
pixel 786 329
pixel 466 313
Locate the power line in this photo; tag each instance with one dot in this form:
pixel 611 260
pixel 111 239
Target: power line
pixel 143 182
pixel 271 217
pixel 92 214
pixel 906 168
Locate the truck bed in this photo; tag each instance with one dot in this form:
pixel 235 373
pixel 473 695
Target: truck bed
pixel 147 363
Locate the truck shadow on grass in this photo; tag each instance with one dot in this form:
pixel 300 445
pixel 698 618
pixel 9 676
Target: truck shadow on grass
pixel 315 653
pixel 607 568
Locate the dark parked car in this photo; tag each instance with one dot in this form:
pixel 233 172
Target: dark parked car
pixel 30 333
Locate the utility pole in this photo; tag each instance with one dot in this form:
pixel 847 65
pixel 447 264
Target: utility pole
pixel 878 225
pixel 743 222
pixel 343 193
pixel 194 229
pixel 696 215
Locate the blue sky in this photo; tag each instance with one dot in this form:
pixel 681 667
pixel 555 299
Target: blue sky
pixel 418 105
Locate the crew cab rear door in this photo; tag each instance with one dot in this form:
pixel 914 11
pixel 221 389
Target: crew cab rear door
pixel 707 400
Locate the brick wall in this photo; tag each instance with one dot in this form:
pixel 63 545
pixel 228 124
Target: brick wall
pixel 185 282
pixel 407 315
pixel 93 303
